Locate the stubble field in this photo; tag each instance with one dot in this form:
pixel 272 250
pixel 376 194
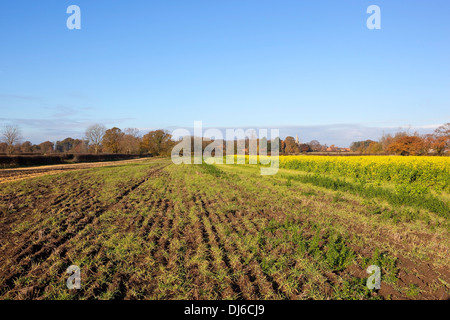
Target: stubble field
pixel 153 230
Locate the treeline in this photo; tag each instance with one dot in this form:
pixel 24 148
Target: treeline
pixel 293 146
pixel 100 140
pixel 404 143
pixel 243 146
pixel 97 140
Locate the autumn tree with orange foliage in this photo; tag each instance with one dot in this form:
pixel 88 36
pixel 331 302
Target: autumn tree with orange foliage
pixel 407 145
pixel 158 142
pixel 442 139
pixel 112 139
pixel 290 145
pixel 440 144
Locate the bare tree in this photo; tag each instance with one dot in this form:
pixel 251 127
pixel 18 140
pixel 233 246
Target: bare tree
pixel 443 131
pixel 134 132
pixel 315 145
pixel 131 141
pixel 94 134
pixel 11 136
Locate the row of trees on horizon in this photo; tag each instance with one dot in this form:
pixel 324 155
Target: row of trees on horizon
pixel 99 139
pixel 404 143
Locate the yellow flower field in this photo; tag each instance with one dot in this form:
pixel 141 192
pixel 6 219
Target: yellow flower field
pixel 421 172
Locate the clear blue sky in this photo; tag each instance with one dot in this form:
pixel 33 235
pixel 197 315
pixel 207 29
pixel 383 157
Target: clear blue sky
pixel 230 63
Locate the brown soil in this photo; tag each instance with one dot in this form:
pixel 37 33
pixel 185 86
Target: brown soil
pixel 16 174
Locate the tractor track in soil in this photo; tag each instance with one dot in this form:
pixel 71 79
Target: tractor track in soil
pixel 24 258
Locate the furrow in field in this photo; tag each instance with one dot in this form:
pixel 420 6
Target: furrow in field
pixel 263 287
pixel 221 272
pixel 237 254
pixel 72 232
pixel 354 220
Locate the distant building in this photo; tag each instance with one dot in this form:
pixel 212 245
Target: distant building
pixel 296 139
pixel 333 148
